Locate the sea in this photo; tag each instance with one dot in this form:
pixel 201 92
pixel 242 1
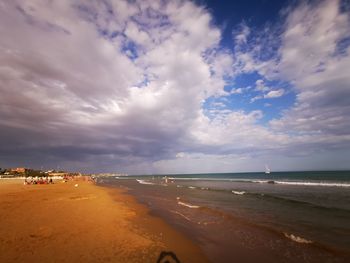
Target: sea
pixel 252 217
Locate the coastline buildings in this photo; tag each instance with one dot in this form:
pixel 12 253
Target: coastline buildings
pixel 19 170
pixel 22 171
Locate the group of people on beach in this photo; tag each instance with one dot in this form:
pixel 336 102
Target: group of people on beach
pixel 38 180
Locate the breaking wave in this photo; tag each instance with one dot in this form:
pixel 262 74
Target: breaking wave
pixel 238 192
pixel 314 183
pixel 188 205
pixel 144 182
pixel 297 239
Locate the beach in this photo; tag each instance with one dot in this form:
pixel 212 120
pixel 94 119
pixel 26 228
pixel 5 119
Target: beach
pixel 204 218
pixel 78 221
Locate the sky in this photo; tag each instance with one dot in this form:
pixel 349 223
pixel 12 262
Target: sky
pixel 157 86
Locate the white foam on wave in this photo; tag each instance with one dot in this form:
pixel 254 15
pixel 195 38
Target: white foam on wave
pixel 304 183
pixel 238 192
pixel 314 183
pixel 144 182
pixel 259 181
pixel 297 239
pixel 192 187
pixel 188 205
pixel 123 177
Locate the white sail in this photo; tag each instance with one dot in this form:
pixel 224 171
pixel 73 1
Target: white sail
pixel 267 169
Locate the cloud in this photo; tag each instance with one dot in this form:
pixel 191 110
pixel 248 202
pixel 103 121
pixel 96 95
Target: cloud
pixel 180 155
pixel 265 91
pixel 218 104
pixel 260 86
pixel 313 58
pixel 233 131
pixel 121 85
pixel 110 83
pixel 97 86
pixel 236 91
pixel 259 97
pixel 242 36
pixel 321 80
pixel 274 94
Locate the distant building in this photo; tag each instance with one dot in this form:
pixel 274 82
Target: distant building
pixel 19 170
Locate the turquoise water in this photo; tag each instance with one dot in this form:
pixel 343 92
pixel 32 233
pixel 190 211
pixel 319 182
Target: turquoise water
pixel 309 208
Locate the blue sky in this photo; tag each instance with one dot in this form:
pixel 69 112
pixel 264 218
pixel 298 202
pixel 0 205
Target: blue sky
pixel 271 108
pixel 175 86
pixel 230 16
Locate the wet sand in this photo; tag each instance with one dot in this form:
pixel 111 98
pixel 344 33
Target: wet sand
pixel 88 223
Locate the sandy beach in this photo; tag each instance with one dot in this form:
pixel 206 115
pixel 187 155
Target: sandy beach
pixel 87 223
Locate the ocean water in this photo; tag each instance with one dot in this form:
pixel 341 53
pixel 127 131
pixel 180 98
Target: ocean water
pixel 289 216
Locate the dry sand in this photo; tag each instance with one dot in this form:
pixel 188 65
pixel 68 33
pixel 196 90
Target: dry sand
pixel 88 223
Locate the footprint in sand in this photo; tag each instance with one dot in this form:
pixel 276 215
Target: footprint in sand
pixel 42 232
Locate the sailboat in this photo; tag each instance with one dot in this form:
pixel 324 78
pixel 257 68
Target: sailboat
pixel 268 171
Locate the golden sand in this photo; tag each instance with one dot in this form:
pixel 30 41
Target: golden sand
pixel 87 223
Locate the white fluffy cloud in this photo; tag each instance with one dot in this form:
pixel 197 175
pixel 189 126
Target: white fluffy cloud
pixel 106 81
pixel 274 94
pixel 260 85
pixel 314 57
pixel 266 92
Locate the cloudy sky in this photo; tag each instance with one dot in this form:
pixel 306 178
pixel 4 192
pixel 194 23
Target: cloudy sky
pixel 175 86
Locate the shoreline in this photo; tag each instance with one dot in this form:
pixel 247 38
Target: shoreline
pixel 91 223
pixel 148 222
